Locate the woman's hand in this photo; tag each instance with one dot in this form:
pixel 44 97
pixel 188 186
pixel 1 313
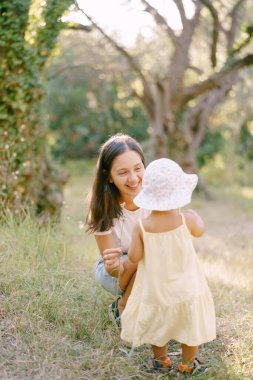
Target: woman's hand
pixel 111 258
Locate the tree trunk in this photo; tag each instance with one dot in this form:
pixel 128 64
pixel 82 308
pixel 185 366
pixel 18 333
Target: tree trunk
pixel 178 142
pixel 27 180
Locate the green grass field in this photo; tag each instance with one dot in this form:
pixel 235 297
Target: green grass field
pixel 53 316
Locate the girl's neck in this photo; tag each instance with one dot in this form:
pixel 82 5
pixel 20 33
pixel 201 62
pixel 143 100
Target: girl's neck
pixel 167 212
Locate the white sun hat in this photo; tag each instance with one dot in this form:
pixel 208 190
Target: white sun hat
pixel 165 186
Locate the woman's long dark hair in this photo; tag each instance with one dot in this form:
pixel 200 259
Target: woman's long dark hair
pixel 104 203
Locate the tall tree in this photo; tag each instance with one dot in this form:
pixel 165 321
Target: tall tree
pixel 178 109
pixel 28 34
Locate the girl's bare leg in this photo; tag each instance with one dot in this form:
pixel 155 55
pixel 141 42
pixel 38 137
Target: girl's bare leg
pixel 189 353
pixel 160 353
pixel 123 300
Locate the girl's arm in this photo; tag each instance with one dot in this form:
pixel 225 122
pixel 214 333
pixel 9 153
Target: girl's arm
pixel 135 254
pixel 111 254
pixel 194 222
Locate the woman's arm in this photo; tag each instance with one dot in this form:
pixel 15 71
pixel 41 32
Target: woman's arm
pixel 110 254
pixel 135 254
pixel 194 223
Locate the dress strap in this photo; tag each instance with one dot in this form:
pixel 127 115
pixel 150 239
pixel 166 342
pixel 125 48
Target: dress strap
pixel 141 225
pixel 183 217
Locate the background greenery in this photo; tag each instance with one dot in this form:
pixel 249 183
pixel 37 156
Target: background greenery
pixel 85 102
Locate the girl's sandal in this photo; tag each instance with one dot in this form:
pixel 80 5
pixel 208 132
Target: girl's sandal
pixel 156 365
pixel 194 369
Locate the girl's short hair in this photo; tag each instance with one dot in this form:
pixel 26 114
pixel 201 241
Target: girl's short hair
pixel 104 202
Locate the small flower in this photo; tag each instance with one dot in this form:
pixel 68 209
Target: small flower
pixel 81 225
pixel 16 193
pixel 5 133
pixel 7 146
pixel 22 139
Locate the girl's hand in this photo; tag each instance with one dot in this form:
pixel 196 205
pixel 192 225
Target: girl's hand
pixel 111 258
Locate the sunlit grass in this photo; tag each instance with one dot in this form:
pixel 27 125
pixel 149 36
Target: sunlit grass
pixel 53 316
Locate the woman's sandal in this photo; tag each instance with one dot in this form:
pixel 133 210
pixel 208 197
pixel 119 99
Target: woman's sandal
pixel 156 365
pixel 193 369
pixel 114 312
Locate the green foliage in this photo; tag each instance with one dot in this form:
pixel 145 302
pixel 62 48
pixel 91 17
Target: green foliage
pixel 48 33
pixel 245 140
pixel 244 39
pixel 211 145
pixel 24 168
pixel 85 106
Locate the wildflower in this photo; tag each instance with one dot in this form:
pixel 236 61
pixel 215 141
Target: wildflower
pixel 81 225
pixel 17 195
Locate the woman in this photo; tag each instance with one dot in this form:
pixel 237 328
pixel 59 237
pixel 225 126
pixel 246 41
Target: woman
pixel 112 213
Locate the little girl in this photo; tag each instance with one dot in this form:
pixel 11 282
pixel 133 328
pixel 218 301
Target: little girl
pixel 170 298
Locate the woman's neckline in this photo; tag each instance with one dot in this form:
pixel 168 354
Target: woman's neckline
pixel 132 208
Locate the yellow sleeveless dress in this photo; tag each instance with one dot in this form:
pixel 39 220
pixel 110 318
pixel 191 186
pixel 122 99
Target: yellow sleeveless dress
pixel 170 298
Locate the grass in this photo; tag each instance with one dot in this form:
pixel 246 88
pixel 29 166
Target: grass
pixel 53 316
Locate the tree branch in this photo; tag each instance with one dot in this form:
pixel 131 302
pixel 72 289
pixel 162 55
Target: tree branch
pixel 180 59
pixel 205 106
pixel 160 20
pixel 85 28
pixel 231 33
pixel 237 47
pixel 180 7
pixel 62 69
pixel 216 27
pixel 215 81
pixel 195 69
pixel 145 100
pixel 130 59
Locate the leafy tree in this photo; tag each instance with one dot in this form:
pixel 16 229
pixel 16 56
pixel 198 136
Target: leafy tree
pixel 28 34
pixel 179 95
pixel 87 100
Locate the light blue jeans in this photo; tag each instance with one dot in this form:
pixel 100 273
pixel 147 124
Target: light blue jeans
pixel 109 283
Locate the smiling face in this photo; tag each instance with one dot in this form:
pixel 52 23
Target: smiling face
pixel 126 173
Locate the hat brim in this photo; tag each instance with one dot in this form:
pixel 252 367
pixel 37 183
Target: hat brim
pixel 180 198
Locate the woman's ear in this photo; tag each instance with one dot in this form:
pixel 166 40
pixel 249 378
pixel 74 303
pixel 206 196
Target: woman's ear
pixel 110 179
